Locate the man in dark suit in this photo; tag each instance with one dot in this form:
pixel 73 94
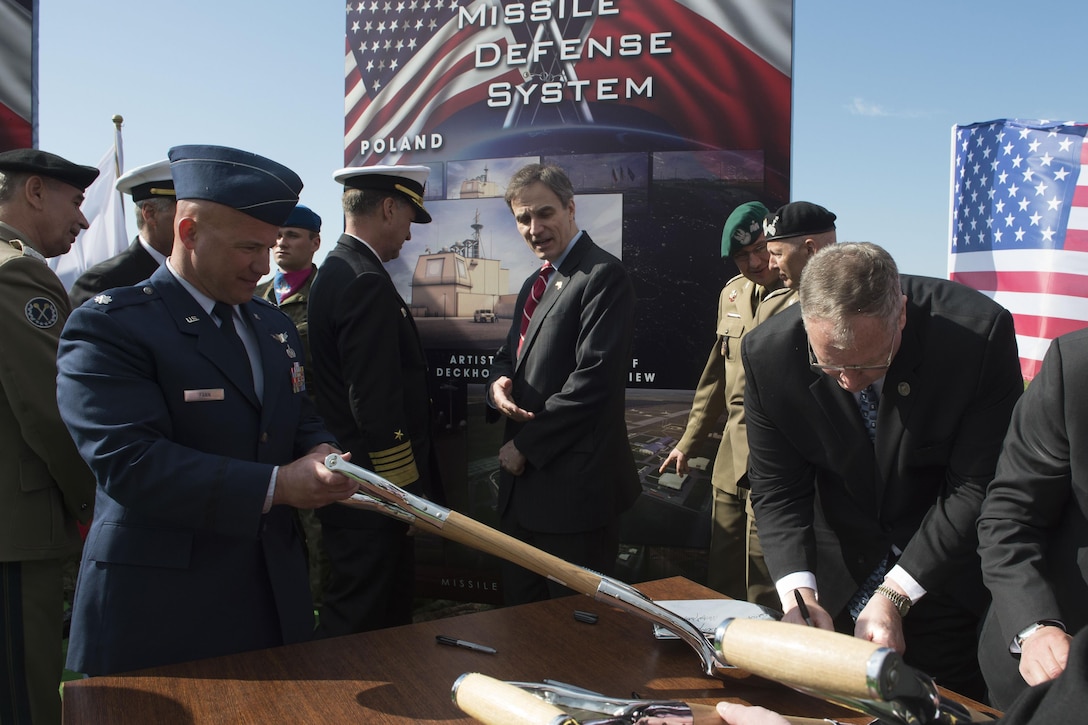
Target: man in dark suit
pixel 201 437
pixel 567 471
pixel 869 517
pixel 152 191
pixel 371 377
pixel 1033 526
pixel 45 487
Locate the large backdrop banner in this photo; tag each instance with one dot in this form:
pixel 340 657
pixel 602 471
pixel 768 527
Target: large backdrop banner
pixel 665 114
pixel 17 74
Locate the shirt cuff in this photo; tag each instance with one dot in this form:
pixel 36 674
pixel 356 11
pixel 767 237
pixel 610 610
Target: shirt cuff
pixel 906 582
pixel 796 580
pixel 271 490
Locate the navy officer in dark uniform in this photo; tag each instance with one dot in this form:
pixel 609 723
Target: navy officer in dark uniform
pixel 186 396
pixel 152 190
pixel 370 371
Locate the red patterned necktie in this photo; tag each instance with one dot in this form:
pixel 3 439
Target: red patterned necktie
pixel 535 294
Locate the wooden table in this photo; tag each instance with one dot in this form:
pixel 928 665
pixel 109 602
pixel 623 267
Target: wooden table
pixel 402 675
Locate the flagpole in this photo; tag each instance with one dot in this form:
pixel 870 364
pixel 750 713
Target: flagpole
pixel 118 154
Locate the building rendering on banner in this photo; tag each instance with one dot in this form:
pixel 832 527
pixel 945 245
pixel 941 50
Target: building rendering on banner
pixel 457 282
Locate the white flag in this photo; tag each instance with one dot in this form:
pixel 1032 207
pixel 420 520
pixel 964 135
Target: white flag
pixel 107 236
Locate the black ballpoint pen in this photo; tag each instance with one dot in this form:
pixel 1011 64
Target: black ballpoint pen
pixel 803 607
pixel 454 642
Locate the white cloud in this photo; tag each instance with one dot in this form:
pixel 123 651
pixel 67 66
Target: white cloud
pixel 861 107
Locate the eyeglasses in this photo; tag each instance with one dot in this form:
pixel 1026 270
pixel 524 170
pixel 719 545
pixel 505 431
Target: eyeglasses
pixel 840 369
pixel 746 253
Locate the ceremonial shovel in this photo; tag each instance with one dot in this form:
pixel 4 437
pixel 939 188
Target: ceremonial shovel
pixel 494 702
pixel 836 667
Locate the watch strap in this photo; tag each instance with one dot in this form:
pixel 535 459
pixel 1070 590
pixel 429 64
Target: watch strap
pixel 1018 640
pixel 901 601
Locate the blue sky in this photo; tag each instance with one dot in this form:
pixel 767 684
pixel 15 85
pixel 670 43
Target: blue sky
pixel 877 88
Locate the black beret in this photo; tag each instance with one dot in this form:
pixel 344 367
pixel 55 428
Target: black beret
pixel 796 219
pixel 43 163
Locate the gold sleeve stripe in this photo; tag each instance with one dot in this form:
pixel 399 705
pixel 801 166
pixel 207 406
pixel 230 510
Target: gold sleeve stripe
pixel 396 464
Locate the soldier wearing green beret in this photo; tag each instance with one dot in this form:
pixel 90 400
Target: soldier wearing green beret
pixel 736 565
pixel 45 487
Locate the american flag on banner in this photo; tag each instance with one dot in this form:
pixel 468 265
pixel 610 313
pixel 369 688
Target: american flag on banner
pixel 410 67
pixel 1020 225
pixel 722 79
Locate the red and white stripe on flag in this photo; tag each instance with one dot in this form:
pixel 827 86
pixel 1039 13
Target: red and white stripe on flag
pixel 1033 264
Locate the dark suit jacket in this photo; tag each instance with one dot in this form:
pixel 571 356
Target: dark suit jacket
pixel 180 563
pixel 830 502
pixel 129 267
pixel 1033 530
pixel 572 373
pixel 370 370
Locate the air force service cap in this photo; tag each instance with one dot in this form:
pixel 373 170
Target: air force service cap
pixel 798 219
pixel 43 163
pixel 304 218
pixel 252 184
pixel 744 226
pixel 150 181
pixel 409 181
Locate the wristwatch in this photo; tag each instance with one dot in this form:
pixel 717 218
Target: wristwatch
pixel 901 601
pixel 1031 629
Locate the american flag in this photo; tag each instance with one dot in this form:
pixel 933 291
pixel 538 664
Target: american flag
pixel 1020 225
pixel 408 66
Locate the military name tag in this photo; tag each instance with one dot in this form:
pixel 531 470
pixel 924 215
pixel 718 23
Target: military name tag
pixel 198 396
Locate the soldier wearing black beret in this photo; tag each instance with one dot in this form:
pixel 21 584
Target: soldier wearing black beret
pixel 45 487
pixel 794 232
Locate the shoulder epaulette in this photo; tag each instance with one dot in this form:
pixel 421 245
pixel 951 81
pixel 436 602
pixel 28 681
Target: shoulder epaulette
pixel 121 297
